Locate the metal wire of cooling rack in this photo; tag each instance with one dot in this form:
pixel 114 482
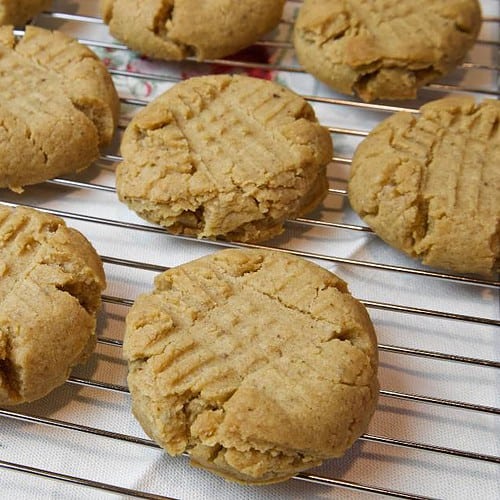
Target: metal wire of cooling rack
pixel 383 447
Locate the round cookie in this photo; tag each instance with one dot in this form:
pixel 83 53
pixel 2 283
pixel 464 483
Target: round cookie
pixel 224 156
pixel 58 105
pixel 177 29
pixel 257 363
pixel 429 184
pixel 50 289
pixel 17 12
pixel 384 49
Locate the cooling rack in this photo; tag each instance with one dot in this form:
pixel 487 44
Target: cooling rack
pixel 436 431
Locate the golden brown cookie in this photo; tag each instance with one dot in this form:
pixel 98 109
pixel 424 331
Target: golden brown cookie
pixel 384 49
pixel 224 156
pixel 50 289
pixel 430 184
pixel 257 363
pixel 17 12
pixel 176 29
pixel 58 105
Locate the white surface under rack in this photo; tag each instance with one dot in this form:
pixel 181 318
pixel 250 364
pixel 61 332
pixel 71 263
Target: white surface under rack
pixel 436 432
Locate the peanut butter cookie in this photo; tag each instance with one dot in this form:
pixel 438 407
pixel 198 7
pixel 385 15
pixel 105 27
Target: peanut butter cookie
pixel 17 12
pixel 257 363
pixel 430 184
pixel 176 29
pixel 384 49
pixel 50 289
pixel 224 156
pixel 58 105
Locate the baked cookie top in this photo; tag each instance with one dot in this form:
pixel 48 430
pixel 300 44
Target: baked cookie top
pixel 224 156
pixel 257 363
pixel 176 29
pixel 58 105
pixel 384 49
pixel 429 184
pixel 17 12
pixel 50 289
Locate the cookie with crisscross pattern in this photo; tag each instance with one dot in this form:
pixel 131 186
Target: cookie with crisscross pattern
pixel 384 49
pixel 51 280
pixel 224 156
pixel 58 106
pixel 257 363
pixel 429 183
